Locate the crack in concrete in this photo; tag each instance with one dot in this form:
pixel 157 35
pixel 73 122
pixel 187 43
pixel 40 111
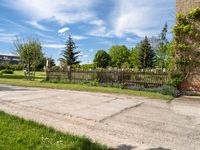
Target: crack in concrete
pixel 121 111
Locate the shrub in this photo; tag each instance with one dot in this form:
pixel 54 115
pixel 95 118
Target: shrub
pixel 2 67
pixel 176 79
pixel 18 67
pixel 168 90
pixel 7 71
pixel 165 90
pixel 118 85
pixel 94 83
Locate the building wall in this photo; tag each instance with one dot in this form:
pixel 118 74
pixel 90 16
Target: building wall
pixel 11 59
pixel 192 83
pixel 184 6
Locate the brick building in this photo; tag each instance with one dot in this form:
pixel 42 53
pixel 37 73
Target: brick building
pixel 193 81
pixel 184 6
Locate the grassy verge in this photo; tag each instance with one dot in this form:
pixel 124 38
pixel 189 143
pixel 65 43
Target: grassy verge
pixel 18 79
pixel 16 133
pixel 80 87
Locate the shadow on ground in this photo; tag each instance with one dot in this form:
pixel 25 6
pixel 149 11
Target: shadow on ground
pixel 125 147
pixel 130 147
pixel 159 148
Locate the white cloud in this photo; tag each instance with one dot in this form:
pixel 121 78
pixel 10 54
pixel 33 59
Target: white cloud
pixel 129 39
pixel 19 26
pixel 7 37
pixel 100 31
pixel 38 26
pixel 85 56
pixel 44 36
pixel 97 22
pixel 61 11
pixel 133 39
pixel 79 37
pixel 91 50
pixel 54 46
pixel 63 30
pixel 144 17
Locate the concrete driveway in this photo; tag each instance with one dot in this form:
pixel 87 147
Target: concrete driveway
pixel 121 121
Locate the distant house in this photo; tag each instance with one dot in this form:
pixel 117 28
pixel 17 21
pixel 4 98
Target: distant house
pixel 13 59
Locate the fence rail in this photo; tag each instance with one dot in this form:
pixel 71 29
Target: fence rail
pixel 129 78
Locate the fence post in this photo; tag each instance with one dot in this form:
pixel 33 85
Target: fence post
pixel 47 70
pixel 69 71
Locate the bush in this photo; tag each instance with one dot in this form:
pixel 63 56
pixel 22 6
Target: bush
pixel 165 90
pixel 18 67
pixel 168 90
pixel 94 83
pixel 11 66
pixel 2 67
pixel 7 71
pixel 176 79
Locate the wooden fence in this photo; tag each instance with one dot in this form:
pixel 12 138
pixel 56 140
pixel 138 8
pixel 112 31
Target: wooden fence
pixel 105 77
pixel 129 78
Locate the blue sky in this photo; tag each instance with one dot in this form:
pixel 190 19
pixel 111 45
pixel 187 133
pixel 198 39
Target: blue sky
pixel 93 24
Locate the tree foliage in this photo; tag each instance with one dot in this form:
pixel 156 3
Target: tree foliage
pixel 187 44
pixel 30 52
pixel 119 55
pixel 70 56
pixel 102 59
pixel 147 56
pixel 88 66
pixel 134 57
pixel 43 61
pixel 51 62
pixel 163 49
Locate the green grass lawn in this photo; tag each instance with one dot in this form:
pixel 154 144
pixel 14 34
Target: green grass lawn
pixel 18 134
pixel 18 79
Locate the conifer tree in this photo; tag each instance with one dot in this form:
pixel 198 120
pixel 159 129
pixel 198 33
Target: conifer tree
pixel 147 56
pixel 70 56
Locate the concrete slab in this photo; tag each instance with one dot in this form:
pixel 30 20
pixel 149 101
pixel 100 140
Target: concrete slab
pixel 120 121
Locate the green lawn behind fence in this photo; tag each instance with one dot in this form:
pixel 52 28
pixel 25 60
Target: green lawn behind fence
pixel 18 79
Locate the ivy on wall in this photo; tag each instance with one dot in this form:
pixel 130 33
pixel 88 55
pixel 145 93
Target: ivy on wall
pixel 187 45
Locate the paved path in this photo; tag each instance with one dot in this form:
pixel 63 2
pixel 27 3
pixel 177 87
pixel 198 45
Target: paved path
pixel 121 121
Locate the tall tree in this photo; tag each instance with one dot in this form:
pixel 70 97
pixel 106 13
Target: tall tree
pixel 133 58
pixel 102 59
pixel 163 48
pixel 119 55
pixel 147 56
pixel 30 52
pixel 163 35
pixel 70 56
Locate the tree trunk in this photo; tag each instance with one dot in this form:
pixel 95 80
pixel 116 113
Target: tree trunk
pixel 34 74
